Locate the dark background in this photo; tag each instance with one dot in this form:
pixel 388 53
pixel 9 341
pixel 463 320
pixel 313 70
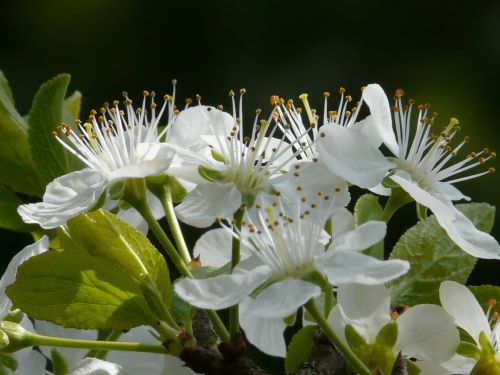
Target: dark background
pixel 446 53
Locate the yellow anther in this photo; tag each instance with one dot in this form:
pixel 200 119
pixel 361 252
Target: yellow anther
pixel 274 99
pixel 491 170
pixel 399 94
pixel 231 93
pixel 326 94
pixel 243 91
pixel 145 93
pixel 341 90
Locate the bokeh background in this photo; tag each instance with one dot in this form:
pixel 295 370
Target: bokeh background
pixel 446 53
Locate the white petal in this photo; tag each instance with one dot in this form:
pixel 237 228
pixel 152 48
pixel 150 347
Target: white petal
pixel 342 222
pixel 207 201
pixel 283 298
pixel 459 228
pixel 9 276
pixel 337 322
pixel 380 111
pixel 381 190
pixel 148 363
pixel 194 122
pixel 366 307
pixel 461 304
pixel 65 197
pixel 350 155
pixel 72 356
pixel 361 238
pixel 151 159
pixel 281 148
pixel 214 248
pixel 459 364
pixel 32 364
pixel 221 291
pixel 427 332
pixel 94 366
pixel 266 334
pixel 313 178
pixel 352 267
pixel 431 368
pixel 448 192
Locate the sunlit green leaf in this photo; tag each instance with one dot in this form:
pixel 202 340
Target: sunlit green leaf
pixel 47 112
pixel 17 169
pixel 300 348
pixel 9 219
pixel 368 208
pixel 103 235
pixel 434 257
pixel 78 290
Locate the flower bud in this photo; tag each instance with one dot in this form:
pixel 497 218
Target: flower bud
pixel 13 337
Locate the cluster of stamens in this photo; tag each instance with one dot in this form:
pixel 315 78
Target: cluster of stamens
pixel 109 138
pixel 426 155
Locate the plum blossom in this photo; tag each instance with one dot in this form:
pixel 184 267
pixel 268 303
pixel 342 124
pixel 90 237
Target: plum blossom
pixel 115 145
pixel 461 304
pixel 29 361
pixel 425 333
pixel 285 246
pixel 420 164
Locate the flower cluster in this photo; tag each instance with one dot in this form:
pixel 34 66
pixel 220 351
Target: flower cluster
pixel 287 243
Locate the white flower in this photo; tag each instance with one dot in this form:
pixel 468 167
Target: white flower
pixel 116 362
pixel 285 248
pixel 461 304
pixel 420 164
pixel 29 361
pixel 424 332
pixel 114 146
pixel 228 166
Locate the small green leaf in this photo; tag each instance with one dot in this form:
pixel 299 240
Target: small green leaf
pixel 103 235
pixel 17 169
pixel 9 219
pixel 368 208
pixel 75 289
pixel 434 258
pixel 47 112
pixel 388 335
pixel 300 348
pixel 469 350
pixel 59 364
pixel 177 190
pixel 485 293
pixel 212 175
pixel 354 339
pixel 73 104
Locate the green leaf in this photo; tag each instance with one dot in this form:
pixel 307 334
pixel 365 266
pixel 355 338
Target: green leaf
pixel 434 258
pixel 368 208
pixel 77 290
pixel 47 112
pixel 9 219
pixel 17 169
pixel 388 335
pixel 103 235
pixel 485 293
pixel 354 339
pixel 300 348
pixel 73 104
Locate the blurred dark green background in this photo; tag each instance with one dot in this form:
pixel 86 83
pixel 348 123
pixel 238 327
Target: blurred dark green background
pixel 446 53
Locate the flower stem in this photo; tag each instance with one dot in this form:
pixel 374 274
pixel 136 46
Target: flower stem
pixel 146 213
pixel 397 199
pixel 234 322
pixel 39 340
pixel 165 196
pixel 101 354
pixel 136 198
pixel 349 356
